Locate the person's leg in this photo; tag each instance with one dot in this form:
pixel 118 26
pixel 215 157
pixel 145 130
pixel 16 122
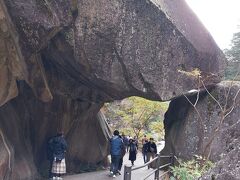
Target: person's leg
pixel 58 175
pixel 50 174
pixel 152 157
pixel 54 170
pixel 120 164
pixel 112 163
pixel 148 158
pixel 145 157
pixel 54 175
pixel 116 164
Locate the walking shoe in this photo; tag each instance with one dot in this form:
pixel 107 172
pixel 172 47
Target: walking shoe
pixel 114 176
pixel 111 173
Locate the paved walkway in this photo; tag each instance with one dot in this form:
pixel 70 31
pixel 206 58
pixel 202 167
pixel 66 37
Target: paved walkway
pixel 104 175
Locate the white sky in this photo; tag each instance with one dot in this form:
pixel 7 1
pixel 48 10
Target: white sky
pixel 220 17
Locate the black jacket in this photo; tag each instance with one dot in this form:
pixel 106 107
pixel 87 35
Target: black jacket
pixel 151 147
pixel 58 147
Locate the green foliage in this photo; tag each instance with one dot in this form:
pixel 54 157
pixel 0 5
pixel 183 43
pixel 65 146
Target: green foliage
pixel 232 71
pixel 135 116
pixel 157 127
pixel 233 54
pixel 190 170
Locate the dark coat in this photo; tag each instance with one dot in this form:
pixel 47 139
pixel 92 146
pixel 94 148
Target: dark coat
pixel 132 151
pixel 58 147
pixel 125 140
pixel 123 149
pixel 151 147
pixel 145 148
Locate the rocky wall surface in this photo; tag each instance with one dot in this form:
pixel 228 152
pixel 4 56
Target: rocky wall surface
pixel 214 131
pixel 61 60
pixel 27 124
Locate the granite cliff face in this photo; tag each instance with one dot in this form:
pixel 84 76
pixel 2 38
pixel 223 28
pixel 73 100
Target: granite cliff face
pixel 188 134
pixel 27 123
pixel 61 60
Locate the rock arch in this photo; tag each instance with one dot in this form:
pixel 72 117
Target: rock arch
pixel 61 60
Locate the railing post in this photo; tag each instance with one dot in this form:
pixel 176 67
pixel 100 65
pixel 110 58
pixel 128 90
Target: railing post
pixel 127 172
pixel 157 166
pixel 172 159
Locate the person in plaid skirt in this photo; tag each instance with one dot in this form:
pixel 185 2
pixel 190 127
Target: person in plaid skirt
pixel 58 147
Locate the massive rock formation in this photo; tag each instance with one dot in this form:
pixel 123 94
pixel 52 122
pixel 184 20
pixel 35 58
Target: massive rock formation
pixel 214 131
pixel 27 123
pixel 61 60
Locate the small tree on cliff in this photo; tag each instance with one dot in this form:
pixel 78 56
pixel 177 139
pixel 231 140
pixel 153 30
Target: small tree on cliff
pixel 232 73
pixel 226 107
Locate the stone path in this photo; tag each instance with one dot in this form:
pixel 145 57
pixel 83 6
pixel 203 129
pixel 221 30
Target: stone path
pixel 103 175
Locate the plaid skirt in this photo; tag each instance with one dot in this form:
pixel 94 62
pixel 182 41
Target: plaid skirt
pixel 59 167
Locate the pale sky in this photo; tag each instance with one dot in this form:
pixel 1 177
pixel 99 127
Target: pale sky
pixel 220 17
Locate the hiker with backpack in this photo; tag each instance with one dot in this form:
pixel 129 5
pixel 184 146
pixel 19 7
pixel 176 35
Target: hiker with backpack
pixel 58 147
pixel 132 151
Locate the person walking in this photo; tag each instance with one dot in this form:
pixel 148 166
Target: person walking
pixel 116 148
pixel 132 151
pixel 145 150
pixel 58 147
pixel 144 139
pixel 151 151
pixel 125 141
pixel 135 139
pixel 122 155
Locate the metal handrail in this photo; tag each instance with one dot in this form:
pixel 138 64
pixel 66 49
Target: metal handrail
pixel 128 169
pixel 165 165
pixel 139 167
pixel 149 174
pixel 146 164
pixel 165 156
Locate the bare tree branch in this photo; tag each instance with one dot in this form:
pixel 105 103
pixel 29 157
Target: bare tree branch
pixel 212 96
pixel 233 105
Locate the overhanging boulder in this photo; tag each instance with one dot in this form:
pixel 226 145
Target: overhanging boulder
pixel 58 57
